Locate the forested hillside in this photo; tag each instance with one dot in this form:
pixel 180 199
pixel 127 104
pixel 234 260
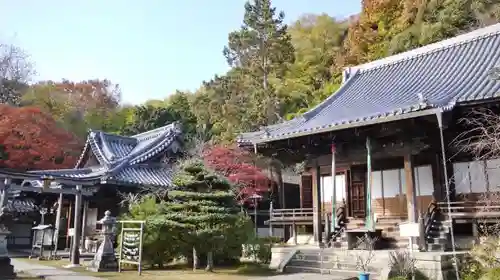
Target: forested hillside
pixel 277 70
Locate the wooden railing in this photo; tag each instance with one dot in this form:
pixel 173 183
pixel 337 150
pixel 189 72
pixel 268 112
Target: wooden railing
pixel 430 216
pixel 294 213
pixel 471 209
pixel 302 213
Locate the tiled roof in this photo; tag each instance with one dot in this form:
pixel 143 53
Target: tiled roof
pixel 17 204
pixel 125 159
pixel 438 76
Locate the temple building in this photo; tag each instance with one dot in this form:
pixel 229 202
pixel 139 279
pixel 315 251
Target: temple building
pixel 109 166
pixel 379 151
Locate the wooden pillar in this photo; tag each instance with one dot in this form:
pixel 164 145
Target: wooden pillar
pixel 84 222
pixel 369 223
pixel 75 248
pixel 411 199
pixel 317 217
pixel 57 227
pixel 4 187
pixel 334 197
pixel 294 233
pixel 271 218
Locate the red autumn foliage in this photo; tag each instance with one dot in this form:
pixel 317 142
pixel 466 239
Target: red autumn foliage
pixel 31 139
pixel 238 166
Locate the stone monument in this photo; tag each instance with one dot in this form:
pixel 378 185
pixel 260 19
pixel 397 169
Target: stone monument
pixel 6 269
pixel 105 259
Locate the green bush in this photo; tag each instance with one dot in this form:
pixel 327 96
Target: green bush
pixel 398 278
pixel 162 243
pixel 260 248
pixel 492 274
pixel 470 270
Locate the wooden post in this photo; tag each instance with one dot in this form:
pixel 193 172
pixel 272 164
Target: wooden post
pixel 317 219
pixel 68 224
pixel 369 224
pixel 58 223
pixel 75 248
pixel 334 197
pixel 84 222
pixel 411 198
pixel 271 218
pixel 294 232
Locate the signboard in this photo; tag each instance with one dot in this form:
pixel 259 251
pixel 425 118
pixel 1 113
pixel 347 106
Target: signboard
pixel 409 229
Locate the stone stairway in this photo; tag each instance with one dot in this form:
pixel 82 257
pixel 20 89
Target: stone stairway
pixel 439 234
pixel 339 264
pixel 390 232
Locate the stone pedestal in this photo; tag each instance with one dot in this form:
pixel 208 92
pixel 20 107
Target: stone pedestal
pixel 6 269
pixel 105 259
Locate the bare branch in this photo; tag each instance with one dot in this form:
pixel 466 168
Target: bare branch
pixel 15 71
pixel 481 137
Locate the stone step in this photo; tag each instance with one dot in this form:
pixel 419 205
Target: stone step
pixel 329 265
pixel 442 241
pixel 332 274
pixel 436 247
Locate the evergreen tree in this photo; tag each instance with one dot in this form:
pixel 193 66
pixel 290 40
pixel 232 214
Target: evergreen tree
pixel 204 203
pixel 262 47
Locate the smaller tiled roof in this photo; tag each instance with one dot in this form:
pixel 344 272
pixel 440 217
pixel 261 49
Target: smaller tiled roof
pixel 17 204
pixel 125 160
pixel 422 81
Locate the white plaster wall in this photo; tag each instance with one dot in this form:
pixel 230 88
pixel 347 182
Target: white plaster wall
pixel 277 231
pixel 391 182
pixel 423 180
pixel 377 185
pixel 476 176
pixel 327 188
pixel 493 173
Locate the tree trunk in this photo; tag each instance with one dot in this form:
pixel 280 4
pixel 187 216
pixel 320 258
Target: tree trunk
pixel 210 262
pixel 195 259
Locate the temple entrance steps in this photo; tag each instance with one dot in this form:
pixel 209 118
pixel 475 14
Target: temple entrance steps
pixel 389 225
pixel 438 236
pixel 339 264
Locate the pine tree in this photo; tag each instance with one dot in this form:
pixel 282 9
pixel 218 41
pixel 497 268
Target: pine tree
pixel 263 48
pixel 204 203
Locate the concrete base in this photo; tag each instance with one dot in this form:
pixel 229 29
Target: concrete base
pixel 71 265
pixel 6 269
pixel 104 263
pixel 435 265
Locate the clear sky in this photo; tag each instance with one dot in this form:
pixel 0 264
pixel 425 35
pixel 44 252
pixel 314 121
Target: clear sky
pixel 150 47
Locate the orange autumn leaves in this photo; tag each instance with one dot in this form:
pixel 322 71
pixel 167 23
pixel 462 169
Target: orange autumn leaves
pixel 31 139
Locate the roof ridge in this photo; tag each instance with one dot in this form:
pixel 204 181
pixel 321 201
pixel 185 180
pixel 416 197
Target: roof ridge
pixel 465 38
pixel 153 130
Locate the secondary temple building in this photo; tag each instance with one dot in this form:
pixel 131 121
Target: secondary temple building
pixel 386 135
pixel 108 166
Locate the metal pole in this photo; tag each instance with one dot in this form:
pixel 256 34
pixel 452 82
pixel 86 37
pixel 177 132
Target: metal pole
pixel 439 116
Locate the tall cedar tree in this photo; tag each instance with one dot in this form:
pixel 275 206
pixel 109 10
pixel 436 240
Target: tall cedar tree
pixel 203 203
pixel 263 48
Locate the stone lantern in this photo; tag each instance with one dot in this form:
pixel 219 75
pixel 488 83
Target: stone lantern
pixel 6 269
pixel 105 259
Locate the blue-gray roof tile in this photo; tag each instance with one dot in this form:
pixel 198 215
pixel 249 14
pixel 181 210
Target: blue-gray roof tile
pixel 125 159
pixel 440 75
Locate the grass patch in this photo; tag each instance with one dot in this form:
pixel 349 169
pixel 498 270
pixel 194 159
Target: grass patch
pixel 171 272
pixel 22 276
